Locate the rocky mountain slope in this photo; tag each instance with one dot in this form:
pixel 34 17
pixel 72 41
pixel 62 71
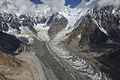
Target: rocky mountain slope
pixel 14 24
pixel 17 55
pixel 97 37
pixel 96 28
pixel 57 23
pixel 12 21
pixel 10 44
pixel 110 59
pixel 10 66
pixel 13 68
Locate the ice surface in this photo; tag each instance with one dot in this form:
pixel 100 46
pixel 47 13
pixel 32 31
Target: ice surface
pixel 85 68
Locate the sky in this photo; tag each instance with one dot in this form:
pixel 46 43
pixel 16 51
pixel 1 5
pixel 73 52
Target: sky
pixel 37 1
pixel 72 3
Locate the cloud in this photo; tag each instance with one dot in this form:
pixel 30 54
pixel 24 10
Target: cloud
pixel 98 3
pixel 48 6
pixel 88 4
pixel 27 7
pixel 12 6
pixel 115 3
pixel 55 5
pixel 82 4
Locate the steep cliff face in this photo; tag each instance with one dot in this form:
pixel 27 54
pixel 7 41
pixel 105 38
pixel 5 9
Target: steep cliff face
pixel 95 29
pixel 57 22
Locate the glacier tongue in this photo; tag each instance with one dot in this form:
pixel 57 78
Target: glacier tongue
pixel 80 64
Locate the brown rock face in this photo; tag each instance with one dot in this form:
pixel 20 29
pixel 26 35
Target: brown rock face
pixel 7 60
pixel 11 61
pixel 57 23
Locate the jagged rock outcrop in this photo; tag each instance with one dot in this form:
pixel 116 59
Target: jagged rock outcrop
pixel 109 18
pixel 56 22
pixel 10 44
pixel 12 21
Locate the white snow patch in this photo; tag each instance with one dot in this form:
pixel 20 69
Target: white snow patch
pixel 73 15
pixel 42 32
pixel 100 27
pixel 103 30
pixel 109 41
pixel 25 32
pixel 113 11
pixel 79 36
pixel 59 16
pixel 61 35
